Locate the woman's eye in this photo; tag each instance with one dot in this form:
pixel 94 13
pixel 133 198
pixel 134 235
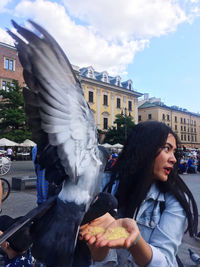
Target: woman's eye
pixel 166 148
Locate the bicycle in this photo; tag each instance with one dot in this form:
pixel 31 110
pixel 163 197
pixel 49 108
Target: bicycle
pixel 5 188
pixel 5 164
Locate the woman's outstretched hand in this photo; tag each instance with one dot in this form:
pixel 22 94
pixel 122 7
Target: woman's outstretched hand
pixel 107 239
pixel 102 232
pixel 101 223
pixel 87 234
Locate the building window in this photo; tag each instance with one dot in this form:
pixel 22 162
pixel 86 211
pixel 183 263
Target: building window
pixel 181 137
pixel 6 85
pixel 192 130
pixel 163 117
pixel 105 100
pixel 118 102
pixel 105 123
pixel 175 127
pixel 104 77
pixel 195 130
pixel 9 64
pixel 188 138
pixel 181 120
pixel 149 117
pixel 175 118
pixel 90 73
pixel 181 128
pixel 194 123
pixel 184 128
pixel 195 138
pixel 184 137
pixel 139 118
pixel 167 117
pixel 129 105
pixel 192 138
pixel 90 97
pixel 184 120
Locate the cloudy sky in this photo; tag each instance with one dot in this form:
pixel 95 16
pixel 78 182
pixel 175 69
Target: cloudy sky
pixel 155 43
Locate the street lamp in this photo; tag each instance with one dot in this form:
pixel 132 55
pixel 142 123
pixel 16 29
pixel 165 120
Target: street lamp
pixel 125 121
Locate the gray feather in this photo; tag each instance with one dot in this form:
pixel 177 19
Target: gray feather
pixel 63 110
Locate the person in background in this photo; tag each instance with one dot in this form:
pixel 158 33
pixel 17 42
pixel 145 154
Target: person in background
pixel 114 157
pixel 192 165
pixel 16 248
pixel 183 165
pixel 154 204
pixel 109 163
pixel 42 183
pixel 107 174
pixel 9 153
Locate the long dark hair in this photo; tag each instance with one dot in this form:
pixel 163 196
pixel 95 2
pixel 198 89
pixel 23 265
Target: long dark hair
pixel 134 170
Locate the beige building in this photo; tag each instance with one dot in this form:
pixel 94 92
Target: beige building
pixel 184 123
pixel 108 96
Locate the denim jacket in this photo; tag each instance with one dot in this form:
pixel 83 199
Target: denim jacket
pixel 163 231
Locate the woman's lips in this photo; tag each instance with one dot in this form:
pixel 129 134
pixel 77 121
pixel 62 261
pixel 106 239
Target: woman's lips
pixel 167 170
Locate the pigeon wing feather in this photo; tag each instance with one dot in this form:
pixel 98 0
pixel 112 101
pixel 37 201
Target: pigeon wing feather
pixel 63 110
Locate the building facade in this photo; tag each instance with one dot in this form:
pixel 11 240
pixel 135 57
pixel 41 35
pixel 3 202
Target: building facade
pixel 184 123
pixel 107 96
pixel 10 66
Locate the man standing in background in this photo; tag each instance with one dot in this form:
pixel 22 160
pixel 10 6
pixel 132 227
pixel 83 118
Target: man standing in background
pixel 42 183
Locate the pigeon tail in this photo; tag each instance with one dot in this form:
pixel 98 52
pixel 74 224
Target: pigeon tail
pixel 59 224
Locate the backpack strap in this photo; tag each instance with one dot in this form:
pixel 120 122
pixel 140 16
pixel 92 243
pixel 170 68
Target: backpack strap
pixel 162 206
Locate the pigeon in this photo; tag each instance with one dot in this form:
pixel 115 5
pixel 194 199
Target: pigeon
pixel 194 257
pixel 63 127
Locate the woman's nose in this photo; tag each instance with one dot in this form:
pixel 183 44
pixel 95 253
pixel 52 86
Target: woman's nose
pixel 173 158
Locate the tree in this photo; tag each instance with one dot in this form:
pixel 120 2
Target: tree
pixel 119 133
pixel 13 118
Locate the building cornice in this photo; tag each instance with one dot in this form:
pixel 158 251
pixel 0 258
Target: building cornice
pixel 112 87
pixel 8 46
pixel 170 109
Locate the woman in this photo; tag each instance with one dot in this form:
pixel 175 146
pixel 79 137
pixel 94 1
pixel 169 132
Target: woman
pixel 152 193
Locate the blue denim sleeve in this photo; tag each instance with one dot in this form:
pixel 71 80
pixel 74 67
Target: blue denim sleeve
pixel 167 235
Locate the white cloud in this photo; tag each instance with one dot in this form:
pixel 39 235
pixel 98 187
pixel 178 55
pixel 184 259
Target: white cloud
pixel 3 4
pixel 130 18
pixel 104 34
pixel 81 44
pixel 5 37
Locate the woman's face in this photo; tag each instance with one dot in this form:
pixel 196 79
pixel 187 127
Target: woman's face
pixel 165 161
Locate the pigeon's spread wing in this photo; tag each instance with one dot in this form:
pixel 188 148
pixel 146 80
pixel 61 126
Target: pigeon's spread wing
pixel 55 100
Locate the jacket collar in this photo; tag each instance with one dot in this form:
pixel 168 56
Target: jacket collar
pixel 155 194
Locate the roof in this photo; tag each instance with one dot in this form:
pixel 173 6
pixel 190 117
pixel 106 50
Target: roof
pixel 90 73
pixel 148 104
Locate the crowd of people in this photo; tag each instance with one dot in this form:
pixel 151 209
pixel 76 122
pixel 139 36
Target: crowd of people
pixel 189 165
pixel 155 206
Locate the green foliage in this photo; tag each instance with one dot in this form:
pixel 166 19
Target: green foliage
pixel 13 119
pixel 118 134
